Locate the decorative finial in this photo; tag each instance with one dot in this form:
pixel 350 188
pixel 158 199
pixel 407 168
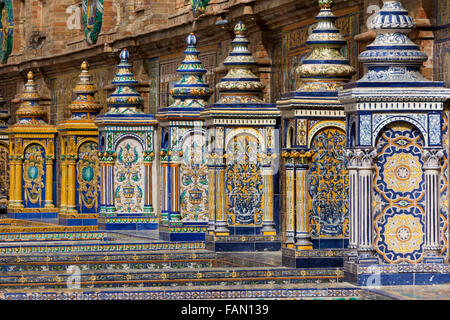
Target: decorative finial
pixel 393 57
pixel 29 111
pixel 190 91
pixel 125 99
pixel 84 105
pixel 326 4
pixel 240 85
pixel 84 66
pixel 325 68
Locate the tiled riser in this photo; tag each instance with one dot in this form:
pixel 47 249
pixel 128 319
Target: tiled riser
pixel 110 266
pixel 313 293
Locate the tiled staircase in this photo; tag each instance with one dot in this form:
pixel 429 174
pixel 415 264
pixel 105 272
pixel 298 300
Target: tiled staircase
pixel 124 266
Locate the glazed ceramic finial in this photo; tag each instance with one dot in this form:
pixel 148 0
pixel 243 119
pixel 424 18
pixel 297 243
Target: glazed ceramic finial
pixel 29 111
pixel 190 91
pixel 240 85
pixel 125 99
pixel 84 105
pixel 393 56
pixel 325 68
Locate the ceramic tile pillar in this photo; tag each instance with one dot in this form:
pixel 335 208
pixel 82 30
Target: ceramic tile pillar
pixel 126 148
pixel 184 165
pixel 432 169
pixel 79 166
pixel 241 134
pixel 394 119
pixel 32 142
pixel 313 134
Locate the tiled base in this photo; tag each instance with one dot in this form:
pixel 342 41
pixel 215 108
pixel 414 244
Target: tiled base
pixel 32 215
pixel 244 243
pixel 312 258
pixel 77 222
pixel 183 231
pixel 127 223
pixel 394 275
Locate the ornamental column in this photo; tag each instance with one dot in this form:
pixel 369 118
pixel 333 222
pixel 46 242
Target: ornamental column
pixel 221 226
pixel 49 182
pixel 12 180
pixel 174 213
pixel 353 196
pixel 268 225
pixel 365 219
pixel 289 198
pixel 303 237
pixel 63 204
pixel 71 192
pixel 165 181
pixel 432 168
pixel 211 195
pixel 148 197
pixel 18 187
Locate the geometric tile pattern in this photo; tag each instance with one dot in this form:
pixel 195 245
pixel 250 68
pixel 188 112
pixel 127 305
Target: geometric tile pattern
pixel 328 185
pixel 399 194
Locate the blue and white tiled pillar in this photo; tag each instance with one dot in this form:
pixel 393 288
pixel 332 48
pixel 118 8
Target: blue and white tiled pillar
pixel 432 169
pixel 365 204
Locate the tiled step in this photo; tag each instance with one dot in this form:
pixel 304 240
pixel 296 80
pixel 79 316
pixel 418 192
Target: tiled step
pixel 108 261
pixel 170 277
pixel 337 291
pixel 74 247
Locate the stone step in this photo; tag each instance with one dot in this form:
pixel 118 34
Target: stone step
pixel 108 261
pixel 74 247
pixel 170 277
pixel 340 291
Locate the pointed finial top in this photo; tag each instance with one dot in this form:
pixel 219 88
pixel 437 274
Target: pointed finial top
pixel 84 66
pixel 240 28
pixel 326 4
pixel 30 76
pixel 124 55
pixel 84 106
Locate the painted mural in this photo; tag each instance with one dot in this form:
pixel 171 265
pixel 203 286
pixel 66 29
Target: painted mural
pixel 244 182
pixel 34 176
pixel 399 194
pixel 92 19
pixel 194 179
pixel 88 178
pixel 6 29
pixel 328 185
pixel 129 177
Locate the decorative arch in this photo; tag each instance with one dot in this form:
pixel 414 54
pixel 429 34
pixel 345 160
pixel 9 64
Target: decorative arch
pixel 39 142
pixel 400 118
pixel 290 136
pixel 249 131
pixel 323 125
pixel 84 140
pixel 129 135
